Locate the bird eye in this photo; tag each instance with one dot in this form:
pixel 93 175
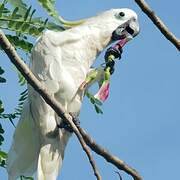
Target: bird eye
pixel 122 14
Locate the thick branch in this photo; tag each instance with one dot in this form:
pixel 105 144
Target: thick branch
pixel 21 66
pixel 121 165
pixel 159 23
pixel 36 84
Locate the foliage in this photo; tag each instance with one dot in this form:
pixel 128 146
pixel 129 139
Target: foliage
pixel 24 177
pixel 19 23
pixel 3 155
pixel 2 80
pixel 20 43
pixel 95 102
pixel 17 110
pixel 48 5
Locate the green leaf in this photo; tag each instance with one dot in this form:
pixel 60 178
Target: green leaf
pixel 1 70
pixel 15 16
pixel 3 154
pixel 20 43
pixel 30 18
pixel 1 129
pixel 18 25
pixel 2 163
pixel 23 97
pixel 27 178
pixel 53 26
pixel 25 27
pixel 24 92
pixel 2 80
pixel 21 103
pixel 33 31
pixel 25 23
pixel 98 110
pixel 19 3
pixel 97 101
pixel 19 110
pixel 14 13
pixel 1 138
pixel 4 10
pixel 1 9
pixel 1 107
pixel 27 13
pixel 48 5
pixel 88 94
pixel 1 110
pixel 92 100
pixel 3 157
pixel 10 117
pixel 22 80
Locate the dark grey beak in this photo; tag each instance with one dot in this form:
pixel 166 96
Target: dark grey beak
pixel 128 30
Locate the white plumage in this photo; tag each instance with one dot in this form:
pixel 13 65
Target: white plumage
pixel 61 61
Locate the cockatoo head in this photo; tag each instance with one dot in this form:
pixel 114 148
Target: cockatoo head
pixel 115 24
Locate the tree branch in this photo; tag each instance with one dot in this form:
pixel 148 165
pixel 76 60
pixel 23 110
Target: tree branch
pixel 159 23
pixel 121 165
pixel 80 133
pixel 36 84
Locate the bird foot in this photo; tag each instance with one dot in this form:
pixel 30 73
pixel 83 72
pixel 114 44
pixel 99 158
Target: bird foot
pixel 66 126
pixel 75 119
pixel 83 86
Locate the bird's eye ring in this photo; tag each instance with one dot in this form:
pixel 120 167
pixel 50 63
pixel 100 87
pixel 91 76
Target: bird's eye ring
pixel 122 14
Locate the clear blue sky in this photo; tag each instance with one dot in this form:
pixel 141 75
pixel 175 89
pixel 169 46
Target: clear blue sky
pixel 141 120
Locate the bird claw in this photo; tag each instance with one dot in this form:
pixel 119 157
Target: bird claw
pixel 65 125
pixel 75 119
pixel 83 86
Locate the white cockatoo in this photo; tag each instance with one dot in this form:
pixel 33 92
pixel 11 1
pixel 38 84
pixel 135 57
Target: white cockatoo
pixel 61 61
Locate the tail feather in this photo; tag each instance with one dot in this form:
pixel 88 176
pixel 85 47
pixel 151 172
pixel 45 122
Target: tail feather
pixel 33 150
pixel 23 154
pixel 51 155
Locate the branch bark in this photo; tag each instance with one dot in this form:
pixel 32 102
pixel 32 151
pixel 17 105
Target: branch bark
pixel 158 23
pixel 121 165
pixel 36 84
pixel 80 133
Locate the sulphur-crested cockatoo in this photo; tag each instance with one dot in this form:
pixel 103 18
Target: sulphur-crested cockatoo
pixel 61 61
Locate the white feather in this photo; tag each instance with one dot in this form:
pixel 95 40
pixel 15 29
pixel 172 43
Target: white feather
pixel 61 61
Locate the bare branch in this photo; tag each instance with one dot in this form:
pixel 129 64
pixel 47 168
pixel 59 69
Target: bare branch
pixel 36 84
pixel 121 165
pixel 159 23
pixel 80 133
pixel 120 177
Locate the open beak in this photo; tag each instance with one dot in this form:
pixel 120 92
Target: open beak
pixel 125 32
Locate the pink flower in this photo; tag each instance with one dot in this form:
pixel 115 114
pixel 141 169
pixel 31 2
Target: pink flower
pixel 103 92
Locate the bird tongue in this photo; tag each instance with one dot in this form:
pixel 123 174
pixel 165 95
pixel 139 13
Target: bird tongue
pixel 121 42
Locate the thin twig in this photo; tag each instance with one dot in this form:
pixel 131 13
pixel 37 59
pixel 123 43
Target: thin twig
pixel 120 177
pixel 159 23
pixel 121 165
pixel 36 84
pixel 22 67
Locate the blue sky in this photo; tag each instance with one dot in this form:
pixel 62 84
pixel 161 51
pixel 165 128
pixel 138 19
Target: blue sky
pixel 141 119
